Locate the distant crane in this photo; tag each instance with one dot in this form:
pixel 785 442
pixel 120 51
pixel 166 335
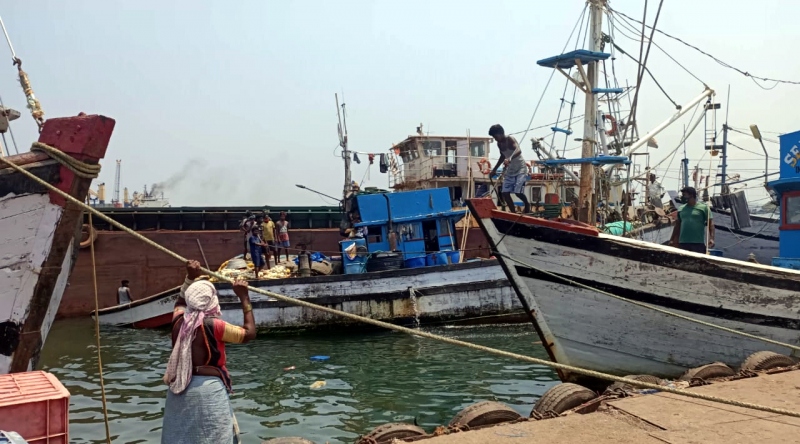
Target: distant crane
pixel 115 198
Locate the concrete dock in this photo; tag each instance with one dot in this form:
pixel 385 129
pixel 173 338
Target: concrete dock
pixel 665 418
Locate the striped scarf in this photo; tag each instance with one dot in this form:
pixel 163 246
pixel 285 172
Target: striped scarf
pixel 201 301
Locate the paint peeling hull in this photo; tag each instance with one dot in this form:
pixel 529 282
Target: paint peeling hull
pixel 468 292
pixel 38 232
pixel 587 328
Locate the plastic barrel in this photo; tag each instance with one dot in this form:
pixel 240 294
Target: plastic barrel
pixel 415 262
pixel 454 256
pixel 714 252
pixel 430 259
pixel 441 258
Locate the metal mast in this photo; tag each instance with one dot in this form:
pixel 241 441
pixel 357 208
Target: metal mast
pixel 115 198
pixel 348 183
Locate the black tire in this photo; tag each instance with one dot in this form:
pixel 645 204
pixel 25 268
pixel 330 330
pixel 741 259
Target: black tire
pixel 708 371
pixel 484 413
pixel 385 262
pixel 387 432
pixel 627 387
pixel 766 360
pixel 287 440
pixel 563 397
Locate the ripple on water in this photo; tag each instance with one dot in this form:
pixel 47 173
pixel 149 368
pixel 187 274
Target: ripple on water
pixel 371 378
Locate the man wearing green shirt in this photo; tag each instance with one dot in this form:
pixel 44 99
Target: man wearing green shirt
pixel 690 226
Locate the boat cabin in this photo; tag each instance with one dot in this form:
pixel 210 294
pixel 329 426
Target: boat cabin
pixel 462 164
pixel 787 190
pixel 419 224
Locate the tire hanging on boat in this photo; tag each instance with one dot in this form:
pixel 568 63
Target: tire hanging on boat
pixel 91 236
pixel 708 371
pixel 628 387
pixel 387 432
pixel 766 360
pixel 484 413
pixel 563 397
pixel 385 262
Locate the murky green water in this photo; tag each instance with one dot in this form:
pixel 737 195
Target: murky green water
pixel 371 379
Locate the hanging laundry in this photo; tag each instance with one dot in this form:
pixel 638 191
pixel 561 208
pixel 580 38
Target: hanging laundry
pixel 383 163
pixel 371 158
pixel 356 159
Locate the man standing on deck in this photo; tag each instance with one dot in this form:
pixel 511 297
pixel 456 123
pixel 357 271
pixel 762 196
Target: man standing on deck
pixel 690 225
pixel 256 248
pixel 247 227
pixel 124 294
pixel 268 236
pixel 515 173
pixel 283 236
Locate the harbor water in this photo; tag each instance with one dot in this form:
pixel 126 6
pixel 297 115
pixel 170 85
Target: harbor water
pixel 371 378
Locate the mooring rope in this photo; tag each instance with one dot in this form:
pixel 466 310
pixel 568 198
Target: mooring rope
pixel 794 348
pixel 388 326
pixel 81 169
pixel 97 335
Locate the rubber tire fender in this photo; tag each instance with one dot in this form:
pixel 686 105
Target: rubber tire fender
pixel 563 397
pixel 484 413
pixel 766 360
pixel 395 430
pixel 713 370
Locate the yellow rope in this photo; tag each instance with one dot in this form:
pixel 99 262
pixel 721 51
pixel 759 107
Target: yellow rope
pixel 377 323
pixel 97 335
pixel 81 169
pixel 660 310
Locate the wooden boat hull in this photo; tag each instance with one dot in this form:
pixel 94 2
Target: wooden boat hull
pixel 472 291
pixel 38 231
pixel 549 263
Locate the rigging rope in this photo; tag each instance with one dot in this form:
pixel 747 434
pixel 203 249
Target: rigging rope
pixel 726 65
pixel 81 169
pixel 97 335
pixel 424 334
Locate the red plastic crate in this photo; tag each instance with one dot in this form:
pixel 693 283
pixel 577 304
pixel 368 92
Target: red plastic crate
pixel 35 405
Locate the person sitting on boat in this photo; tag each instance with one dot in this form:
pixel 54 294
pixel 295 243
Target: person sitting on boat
pixel 690 225
pixel 198 409
pixel 256 249
pixel 515 173
pixel 353 231
pixel 283 236
pixel 124 294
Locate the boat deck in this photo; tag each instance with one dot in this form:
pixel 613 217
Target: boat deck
pixel 665 418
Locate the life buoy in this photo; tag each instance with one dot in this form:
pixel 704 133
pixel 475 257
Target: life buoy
pixel 613 129
pixel 484 166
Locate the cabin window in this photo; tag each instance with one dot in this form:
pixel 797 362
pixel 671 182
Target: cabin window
pixel 410 231
pixel 477 149
pixel 444 228
pixel 571 194
pixel 432 147
pixel 450 150
pixel 791 212
pixel 536 194
pixel 374 234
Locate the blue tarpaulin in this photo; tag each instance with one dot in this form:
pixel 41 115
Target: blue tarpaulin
pixel 315 257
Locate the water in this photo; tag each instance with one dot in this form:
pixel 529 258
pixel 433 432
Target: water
pixel 371 378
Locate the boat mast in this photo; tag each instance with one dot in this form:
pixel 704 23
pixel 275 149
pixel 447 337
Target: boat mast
pixel 587 199
pixel 348 186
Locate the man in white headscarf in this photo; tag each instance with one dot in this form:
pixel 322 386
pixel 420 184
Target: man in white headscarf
pixel 198 407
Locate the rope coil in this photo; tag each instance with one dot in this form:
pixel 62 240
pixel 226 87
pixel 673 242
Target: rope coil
pixel 419 333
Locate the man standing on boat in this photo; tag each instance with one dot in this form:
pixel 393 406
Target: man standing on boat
pixel 247 227
pixel 268 236
pixel 515 174
pixel 283 236
pixel 690 225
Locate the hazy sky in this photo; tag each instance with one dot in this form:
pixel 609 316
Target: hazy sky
pixel 241 94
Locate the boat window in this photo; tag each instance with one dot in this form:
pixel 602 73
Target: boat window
pixel 410 231
pixel 477 149
pixel 571 194
pixel 444 228
pixel 450 150
pixel 792 214
pixel 374 234
pixel 536 194
pixel 432 147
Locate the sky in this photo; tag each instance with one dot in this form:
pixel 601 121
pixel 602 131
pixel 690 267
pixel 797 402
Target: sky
pixel 236 99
